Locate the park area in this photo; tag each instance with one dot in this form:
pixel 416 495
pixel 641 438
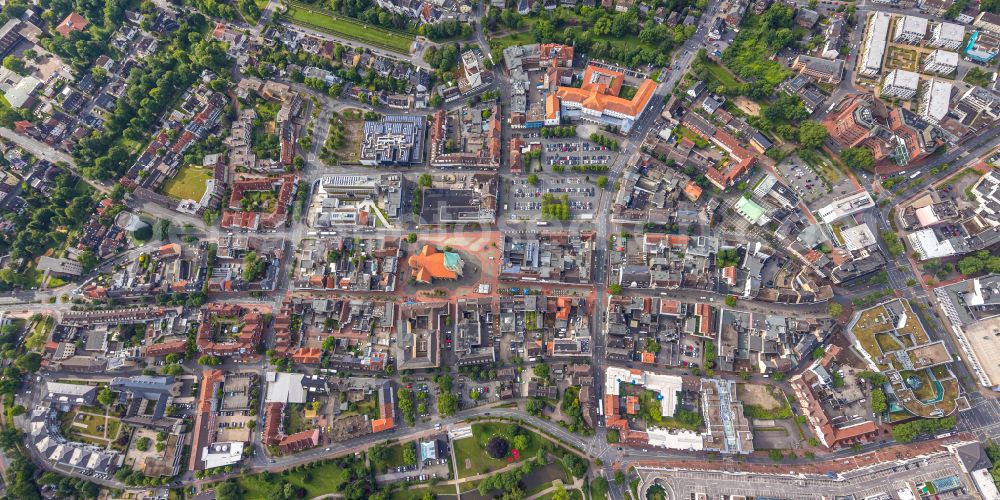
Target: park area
pixel 320 20
pixel 90 425
pixel 188 183
pixel 472 454
pixel 343 141
pixel 325 478
pixel 901 58
pixel 721 76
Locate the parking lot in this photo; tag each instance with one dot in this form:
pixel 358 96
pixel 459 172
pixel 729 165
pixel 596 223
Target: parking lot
pixel 803 180
pixel 525 200
pixel 576 153
pixel 810 186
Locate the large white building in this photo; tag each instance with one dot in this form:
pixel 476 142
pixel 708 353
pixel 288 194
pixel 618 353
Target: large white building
pixel 947 36
pixel 900 84
pixel 845 206
pixel 874 44
pixel 941 62
pixel 222 454
pixel 597 99
pixel 936 100
pixel 666 385
pixel 910 29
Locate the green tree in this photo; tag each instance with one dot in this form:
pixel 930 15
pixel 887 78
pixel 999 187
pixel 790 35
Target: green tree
pixel 812 134
pixel 208 360
pixel 106 396
pixel 447 404
pixel 834 309
pixel 425 180
pixel 519 442
pixel 602 181
pixel 652 346
pixel 858 158
pixel 533 179
pixel 904 433
pixel 15 64
pixel 88 260
pixel 541 370
pixel 228 490
pixel 409 454
pixel 29 362
pixel 879 403
pixel 253 266
pixel 615 289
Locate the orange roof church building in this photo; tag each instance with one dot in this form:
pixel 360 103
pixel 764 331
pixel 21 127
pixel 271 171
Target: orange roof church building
pixel 430 265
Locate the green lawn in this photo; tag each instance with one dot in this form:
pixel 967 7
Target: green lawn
pixel 188 183
pixel 55 282
pixel 326 478
pixel 478 462
pixel 722 75
pixel 472 449
pixel 418 493
pixel 573 495
pixel 40 333
pixel 698 141
pixel 90 434
pixel 394 456
pixel 351 28
pixel 518 38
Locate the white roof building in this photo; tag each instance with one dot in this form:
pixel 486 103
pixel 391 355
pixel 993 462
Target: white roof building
pixel 947 36
pixel 19 95
pixel 900 83
pixel 874 43
pixel 844 206
pixel 926 216
pixel 936 101
pixel 858 237
pixel 984 483
pixel 910 29
pixel 666 385
pixel 222 454
pixel 70 394
pixel 926 243
pixel 285 388
pixel 675 439
pixel 941 62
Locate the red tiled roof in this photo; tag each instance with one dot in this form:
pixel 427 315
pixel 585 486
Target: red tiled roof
pixel 382 424
pixel 307 355
pixel 73 22
pixel 428 265
pixel 600 89
pixel 272 423
pixel 299 441
pixel 164 348
pixel 692 191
